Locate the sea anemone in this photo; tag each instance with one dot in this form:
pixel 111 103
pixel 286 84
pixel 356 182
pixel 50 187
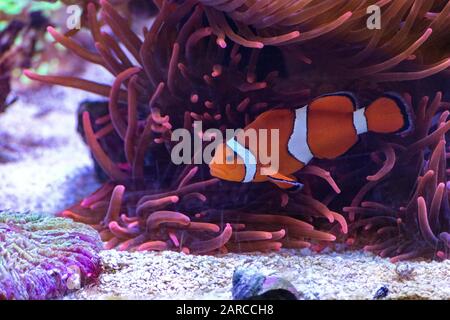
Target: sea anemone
pixel 399 225
pixel 333 35
pixel 129 8
pixel 43 257
pixel 200 61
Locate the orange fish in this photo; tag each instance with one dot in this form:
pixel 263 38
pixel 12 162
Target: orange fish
pixel 326 129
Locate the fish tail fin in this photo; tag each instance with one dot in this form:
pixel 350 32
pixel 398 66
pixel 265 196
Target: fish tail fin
pixel 389 114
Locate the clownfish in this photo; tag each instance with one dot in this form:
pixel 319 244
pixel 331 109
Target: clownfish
pixel 326 128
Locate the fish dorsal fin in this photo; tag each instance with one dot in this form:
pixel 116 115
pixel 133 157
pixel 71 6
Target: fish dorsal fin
pixel 334 102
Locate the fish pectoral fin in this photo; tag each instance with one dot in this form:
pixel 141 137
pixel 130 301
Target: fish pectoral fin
pixel 288 183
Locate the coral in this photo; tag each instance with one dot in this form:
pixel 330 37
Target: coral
pixel 21 10
pixel 404 272
pixel 194 64
pixel 18 49
pixel 43 257
pixel 7 38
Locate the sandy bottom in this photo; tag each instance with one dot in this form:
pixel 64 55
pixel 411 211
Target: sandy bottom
pixel 45 166
pixel 349 275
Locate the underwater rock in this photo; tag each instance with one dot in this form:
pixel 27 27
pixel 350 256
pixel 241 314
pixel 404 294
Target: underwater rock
pixel 381 293
pixel 249 284
pixel 43 257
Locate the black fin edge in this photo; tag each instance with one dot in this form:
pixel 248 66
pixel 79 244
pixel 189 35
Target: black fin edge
pixel 296 186
pixel 406 111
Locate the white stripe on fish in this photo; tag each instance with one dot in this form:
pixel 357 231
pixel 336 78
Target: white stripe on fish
pixel 247 156
pixel 298 141
pixel 360 121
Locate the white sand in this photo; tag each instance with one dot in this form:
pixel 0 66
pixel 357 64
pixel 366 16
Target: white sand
pixel 53 169
pixel 350 275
